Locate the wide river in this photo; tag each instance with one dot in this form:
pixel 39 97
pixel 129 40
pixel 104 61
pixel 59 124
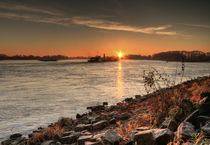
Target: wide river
pixel 35 93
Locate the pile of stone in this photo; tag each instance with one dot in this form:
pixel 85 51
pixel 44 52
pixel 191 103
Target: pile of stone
pixel 88 128
pixel 181 128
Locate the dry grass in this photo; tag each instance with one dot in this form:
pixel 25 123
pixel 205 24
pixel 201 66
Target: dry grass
pixel 197 139
pixel 126 129
pixel 65 122
pixel 171 98
pixel 46 134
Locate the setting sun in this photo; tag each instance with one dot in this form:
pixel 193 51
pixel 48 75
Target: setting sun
pixel 120 54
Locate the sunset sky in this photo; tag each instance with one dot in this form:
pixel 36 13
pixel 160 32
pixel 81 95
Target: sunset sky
pixel 91 27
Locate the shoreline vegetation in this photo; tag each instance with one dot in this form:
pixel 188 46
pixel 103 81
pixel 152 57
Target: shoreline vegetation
pixel 175 115
pixel 186 56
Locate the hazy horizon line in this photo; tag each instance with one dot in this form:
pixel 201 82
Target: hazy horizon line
pixel 100 55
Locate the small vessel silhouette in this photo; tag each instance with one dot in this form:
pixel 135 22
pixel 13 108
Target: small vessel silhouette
pixel 102 59
pixel 48 59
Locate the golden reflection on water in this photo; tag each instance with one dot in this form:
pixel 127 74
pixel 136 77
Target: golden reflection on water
pixel 119 83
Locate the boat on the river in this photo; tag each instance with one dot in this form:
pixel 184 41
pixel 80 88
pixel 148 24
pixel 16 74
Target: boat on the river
pixel 48 59
pixel 102 59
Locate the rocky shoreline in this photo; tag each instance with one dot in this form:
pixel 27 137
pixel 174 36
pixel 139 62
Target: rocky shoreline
pixel 138 120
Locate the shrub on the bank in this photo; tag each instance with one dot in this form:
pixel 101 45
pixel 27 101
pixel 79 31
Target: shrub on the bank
pixel 46 134
pixel 153 82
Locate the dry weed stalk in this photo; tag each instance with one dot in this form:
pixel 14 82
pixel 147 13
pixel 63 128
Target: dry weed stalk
pixel 197 139
pixel 154 81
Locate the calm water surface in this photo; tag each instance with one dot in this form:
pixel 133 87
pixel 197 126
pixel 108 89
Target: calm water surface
pixel 34 93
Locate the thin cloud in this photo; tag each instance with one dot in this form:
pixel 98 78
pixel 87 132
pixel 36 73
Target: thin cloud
pixel 36 18
pixel 198 25
pixel 92 23
pixel 26 8
pixel 110 25
pixel 166 33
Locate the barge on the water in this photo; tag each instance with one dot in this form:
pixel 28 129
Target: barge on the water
pixel 102 59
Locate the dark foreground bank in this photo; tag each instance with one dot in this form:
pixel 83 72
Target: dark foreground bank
pixel 176 115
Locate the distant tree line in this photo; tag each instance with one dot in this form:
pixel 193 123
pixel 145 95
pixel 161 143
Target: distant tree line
pixel 187 56
pixel 143 57
pixel 31 57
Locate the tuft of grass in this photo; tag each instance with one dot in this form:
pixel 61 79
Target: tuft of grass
pixel 172 111
pixel 46 134
pixel 125 129
pixel 65 122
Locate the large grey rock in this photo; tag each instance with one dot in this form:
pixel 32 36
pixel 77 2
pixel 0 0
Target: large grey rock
pixel 7 142
pixel 57 136
pixel 123 116
pixel 15 136
pixel 192 117
pixel 144 138
pixel 82 139
pixel 163 136
pixel 85 132
pixel 99 125
pixel 185 130
pixel 105 103
pixel 81 127
pixel 188 143
pixel 48 142
pixel 92 143
pixel 185 109
pixel 101 117
pixel 170 124
pixel 137 130
pixel 112 137
pixel 137 96
pixel 205 104
pixel 17 141
pixel 67 133
pixel 112 121
pixel 206 128
pixel 132 136
pixel 66 122
pixel 70 139
pixel 205 94
pixel 161 118
pixel 143 128
pixel 96 108
pixel 201 120
pixel 128 100
pixel 98 137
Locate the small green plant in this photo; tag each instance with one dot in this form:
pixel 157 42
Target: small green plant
pixel 199 138
pixel 172 111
